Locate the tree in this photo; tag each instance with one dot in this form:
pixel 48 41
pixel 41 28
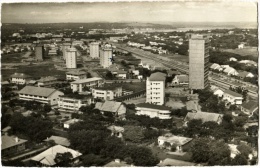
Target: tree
pixel 93 160
pixel 239 160
pixel 219 153
pixel 63 159
pixel 200 150
pixel 109 75
pixel 244 149
pixel 47 108
pixel 133 133
pixel 193 128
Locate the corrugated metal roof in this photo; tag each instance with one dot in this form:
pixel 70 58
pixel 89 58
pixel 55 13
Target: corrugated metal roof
pixel 37 91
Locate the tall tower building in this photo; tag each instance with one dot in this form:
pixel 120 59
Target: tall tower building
pixel 106 56
pixel 65 46
pixel 94 50
pixel 198 62
pixel 39 52
pixel 155 88
pixel 71 60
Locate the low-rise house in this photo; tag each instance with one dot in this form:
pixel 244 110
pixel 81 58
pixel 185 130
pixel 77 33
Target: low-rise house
pixel 232 59
pixel 116 131
pixel 245 74
pixel 218 92
pixel 193 106
pixel 152 110
pixel 204 117
pixel 233 150
pixel 20 78
pixel 116 108
pixel 240 46
pixel 47 81
pixel 232 97
pixel 107 92
pixel 174 162
pixel 76 75
pixel 12 144
pixel 73 102
pixel 173 140
pixel 40 94
pixel 58 140
pixel 249 107
pixel 68 123
pixel 248 62
pixel 215 67
pixel 230 71
pixel 121 74
pixel 47 158
pixel 140 77
pixel 180 80
pixel 78 85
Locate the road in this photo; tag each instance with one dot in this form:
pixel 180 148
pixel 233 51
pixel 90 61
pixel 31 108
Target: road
pixel 182 67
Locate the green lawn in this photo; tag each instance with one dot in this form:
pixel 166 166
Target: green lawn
pixel 12 58
pixel 36 71
pixel 244 51
pixel 161 154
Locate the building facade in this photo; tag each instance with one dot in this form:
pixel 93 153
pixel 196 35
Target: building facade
pixel 106 56
pixel 47 81
pixel 72 104
pixel 20 78
pixel 39 52
pixel 94 50
pixel 76 75
pixel 65 46
pixel 40 94
pixel 155 88
pixel 151 110
pixel 198 62
pixel 107 93
pixel 232 97
pixel 71 58
pixel 78 85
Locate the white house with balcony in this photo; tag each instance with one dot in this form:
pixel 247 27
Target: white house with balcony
pixel 76 75
pixel 230 71
pixel 20 78
pixel 73 102
pixel 232 97
pixel 107 92
pixel 78 85
pixel 40 94
pixel 152 110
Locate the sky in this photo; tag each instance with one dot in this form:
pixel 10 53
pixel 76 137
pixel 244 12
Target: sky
pixel 173 11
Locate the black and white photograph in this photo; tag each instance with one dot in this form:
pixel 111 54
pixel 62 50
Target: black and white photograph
pixel 129 83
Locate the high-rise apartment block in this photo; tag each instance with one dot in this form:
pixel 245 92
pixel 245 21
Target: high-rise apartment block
pixel 106 56
pixel 198 62
pixel 155 88
pixel 39 52
pixel 65 46
pixel 71 58
pixel 94 50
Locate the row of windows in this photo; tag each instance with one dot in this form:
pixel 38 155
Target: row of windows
pixel 33 96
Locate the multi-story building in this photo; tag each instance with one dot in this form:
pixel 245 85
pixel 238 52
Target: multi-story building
pixel 72 102
pixel 106 56
pixel 65 46
pixel 39 52
pixel 47 81
pixel 20 78
pixel 94 50
pixel 40 94
pixel 71 58
pixel 152 110
pixel 232 97
pixel 107 92
pixel 76 75
pixel 78 85
pixel 198 62
pixel 118 109
pixel 12 145
pixel 155 88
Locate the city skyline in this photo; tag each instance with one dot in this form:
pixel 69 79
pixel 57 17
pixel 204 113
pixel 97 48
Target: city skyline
pixel 203 11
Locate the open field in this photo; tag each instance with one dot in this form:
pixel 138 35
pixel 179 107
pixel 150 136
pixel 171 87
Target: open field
pixel 244 51
pixel 36 71
pixel 12 58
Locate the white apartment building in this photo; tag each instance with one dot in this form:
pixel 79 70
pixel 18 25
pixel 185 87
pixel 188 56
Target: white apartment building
pixel 20 78
pixel 155 88
pixel 40 94
pixel 232 97
pixel 78 85
pixel 106 56
pixel 47 81
pixel 107 92
pixel 94 50
pixel 71 59
pixel 72 103
pixel 152 110
pixel 76 75
pixel 65 46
